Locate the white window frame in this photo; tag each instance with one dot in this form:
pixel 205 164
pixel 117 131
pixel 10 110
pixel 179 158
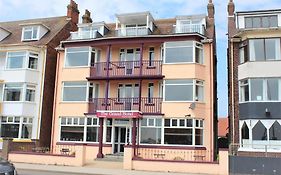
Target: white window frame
pixel 27 55
pixel 29 121
pixel 151 126
pixel 30 29
pixel 194 45
pixel 23 92
pixel 87 90
pixel 72 124
pixel 193 90
pixel 90 51
pixel 264 95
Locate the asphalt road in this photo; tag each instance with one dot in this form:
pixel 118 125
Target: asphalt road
pixel 28 172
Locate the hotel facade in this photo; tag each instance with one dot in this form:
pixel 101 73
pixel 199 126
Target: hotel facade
pixel 254 90
pixel 139 83
pixel 27 73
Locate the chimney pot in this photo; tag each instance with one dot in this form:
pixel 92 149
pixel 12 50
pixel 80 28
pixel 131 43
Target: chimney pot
pixel 86 18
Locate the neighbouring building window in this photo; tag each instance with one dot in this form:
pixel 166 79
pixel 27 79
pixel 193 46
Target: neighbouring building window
pixel 80 57
pixel 30 93
pixel 151 130
pixel 33 61
pixel 264 49
pixel 260 89
pixel 261 21
pixel 13 92
pixel 243 53
pixel 79 129
pixel 30 33
pixel 74 91
pixel 260 135
pixel 22 60
pixel 183 52
pixel 184 90
pixel 16 127
pixel 183 132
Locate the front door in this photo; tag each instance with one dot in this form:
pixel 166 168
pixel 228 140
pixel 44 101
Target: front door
pixel 120 139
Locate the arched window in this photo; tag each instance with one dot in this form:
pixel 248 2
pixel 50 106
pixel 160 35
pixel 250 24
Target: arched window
pixel 245 131
pixel 275 131
pixel 259 132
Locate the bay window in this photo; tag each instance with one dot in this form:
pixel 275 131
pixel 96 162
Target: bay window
pixel 264 49
pixel 22 60
pixel 79 129
pixel 81 57
pixel 260 89
pixel 13 92
pixel 16 127
pixel 183 52
pixel 184 90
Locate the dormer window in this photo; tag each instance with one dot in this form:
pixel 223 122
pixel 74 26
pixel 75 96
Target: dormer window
pixel 190 24
pixel 30 33
pixel 261 21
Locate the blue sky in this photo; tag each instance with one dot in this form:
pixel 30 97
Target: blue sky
pixel 105 10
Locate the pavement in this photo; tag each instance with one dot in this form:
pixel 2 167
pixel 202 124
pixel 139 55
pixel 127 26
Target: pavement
pixel 87 170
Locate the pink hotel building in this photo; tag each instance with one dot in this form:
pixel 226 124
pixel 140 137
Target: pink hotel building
pixel 139 83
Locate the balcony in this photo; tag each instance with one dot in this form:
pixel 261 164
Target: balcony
pixel 133 31
pixel 191 28
pixel 127 70
pixel 145 105
pixel 91 34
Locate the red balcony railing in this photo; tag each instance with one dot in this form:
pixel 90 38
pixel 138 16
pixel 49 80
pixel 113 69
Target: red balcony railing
pixel 145 105
pixel 127 69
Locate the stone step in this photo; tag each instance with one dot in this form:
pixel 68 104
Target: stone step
pixel 112 157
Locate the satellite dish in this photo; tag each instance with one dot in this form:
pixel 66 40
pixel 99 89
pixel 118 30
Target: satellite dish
pixel 192 106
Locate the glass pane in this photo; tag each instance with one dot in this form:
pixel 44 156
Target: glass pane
pixel 189 122
pixel 33 62
pixel 265 22
pixel 74 93
pixel 198 137
pixel 256 90
pixel 245 131
pixel 272 89
pixel 108 134
pixel 30 95
pixel 275 132
pixel 12 94
pixel 273 21
pixel 270 48
pixel 199 93
pixel 248 23
pixel 259 132
pixel 10 130
pixel 199 55
pixel 150 135
pixel 92 134
pixel 77 59
pixel 167 122
pixel 26 131
pixel 178 136
pixel 27 35
pixel 179 54
pixel 256 22
pixel 179 93
pixel 259 50
pixel 16 60
pixel 72 133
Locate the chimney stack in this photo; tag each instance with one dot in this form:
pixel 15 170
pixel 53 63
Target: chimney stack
pixel 86 18
pixel 73 12
pixel 211 9
pixel 230 8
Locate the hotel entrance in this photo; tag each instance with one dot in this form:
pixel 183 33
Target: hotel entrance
pixel 121 134
pixel 120 129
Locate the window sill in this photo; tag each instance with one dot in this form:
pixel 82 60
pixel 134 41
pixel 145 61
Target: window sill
pixel 73 102
pixel 198 102
pixel 185 63
pixel 76 67
pixel 259 102
pixel 27 102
